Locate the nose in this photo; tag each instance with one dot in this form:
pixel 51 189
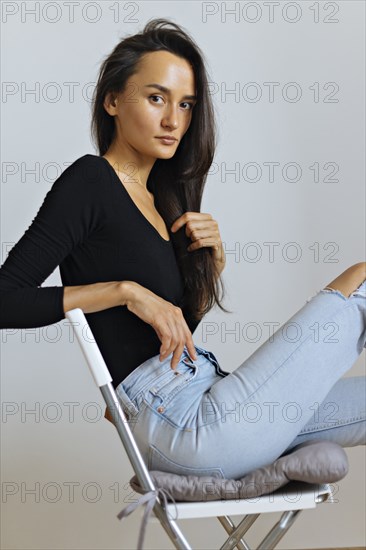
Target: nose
pixel 170 119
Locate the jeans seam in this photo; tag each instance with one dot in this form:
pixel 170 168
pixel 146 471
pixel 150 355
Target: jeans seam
pixel 341 309
pixel 338 423
pixel 279 366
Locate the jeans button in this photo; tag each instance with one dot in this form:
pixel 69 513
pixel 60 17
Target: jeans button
pixel 160 409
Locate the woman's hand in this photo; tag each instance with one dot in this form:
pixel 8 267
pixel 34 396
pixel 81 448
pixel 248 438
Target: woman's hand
pixel 166 319
pixel 203 230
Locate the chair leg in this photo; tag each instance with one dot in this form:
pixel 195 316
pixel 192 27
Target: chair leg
pixel 229 527
pixel 279 530
pixel 236 533
pixel 171 528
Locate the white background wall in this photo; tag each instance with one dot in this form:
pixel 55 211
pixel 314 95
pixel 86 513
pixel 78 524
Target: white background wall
pixel 316 46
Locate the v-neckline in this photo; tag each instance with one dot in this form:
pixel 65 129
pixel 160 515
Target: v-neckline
pixel 133 202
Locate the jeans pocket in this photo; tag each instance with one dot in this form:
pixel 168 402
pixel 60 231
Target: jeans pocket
pixel 158 461
pixel 168 398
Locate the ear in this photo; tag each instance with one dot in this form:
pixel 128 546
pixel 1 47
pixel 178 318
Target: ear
pixel 110 103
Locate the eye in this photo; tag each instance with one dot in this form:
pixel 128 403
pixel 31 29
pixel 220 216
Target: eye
pixel 155 96
pixel 191 105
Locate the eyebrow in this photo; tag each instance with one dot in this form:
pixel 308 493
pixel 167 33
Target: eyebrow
pixel 167 91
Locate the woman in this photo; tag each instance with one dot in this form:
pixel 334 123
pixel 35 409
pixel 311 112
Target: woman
pixel 144 264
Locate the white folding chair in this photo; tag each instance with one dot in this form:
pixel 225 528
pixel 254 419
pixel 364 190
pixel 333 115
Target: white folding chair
pixel 285 499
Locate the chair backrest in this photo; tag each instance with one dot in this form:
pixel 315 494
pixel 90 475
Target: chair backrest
pixel 103 380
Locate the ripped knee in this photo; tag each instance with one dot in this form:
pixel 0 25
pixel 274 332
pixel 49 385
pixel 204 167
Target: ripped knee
pixel 348 283
pixel 356 292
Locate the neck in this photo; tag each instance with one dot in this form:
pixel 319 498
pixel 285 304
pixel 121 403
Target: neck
pixel 134 168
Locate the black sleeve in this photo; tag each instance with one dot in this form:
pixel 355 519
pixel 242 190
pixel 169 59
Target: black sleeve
pixel 66 217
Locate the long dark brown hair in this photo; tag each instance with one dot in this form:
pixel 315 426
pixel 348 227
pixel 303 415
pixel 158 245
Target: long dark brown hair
pixel 177 184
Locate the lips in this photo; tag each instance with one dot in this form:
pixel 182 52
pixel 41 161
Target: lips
pixel 167 138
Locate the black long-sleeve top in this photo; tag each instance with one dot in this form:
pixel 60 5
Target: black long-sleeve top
pixel 90 227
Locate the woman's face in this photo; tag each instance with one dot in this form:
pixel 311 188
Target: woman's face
pixel 143 111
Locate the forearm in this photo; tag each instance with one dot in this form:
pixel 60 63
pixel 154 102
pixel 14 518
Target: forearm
pixel 97 296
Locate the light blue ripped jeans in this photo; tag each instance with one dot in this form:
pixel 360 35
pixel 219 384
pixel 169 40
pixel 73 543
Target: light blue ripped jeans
pixel 203 420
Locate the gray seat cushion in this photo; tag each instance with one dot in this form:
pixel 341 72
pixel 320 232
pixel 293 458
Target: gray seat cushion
pixel 317 461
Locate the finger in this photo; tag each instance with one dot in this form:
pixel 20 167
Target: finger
pixel 164 335
pixel 178 345
pixel 199 233
pixel 187 216
pixel 200 243
pixel 179 222
pixel 165 344
pixel 169 344
pixel 196 233
pixel 176 356
pixel 190 344
pixel 191 347
pixel 208 225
